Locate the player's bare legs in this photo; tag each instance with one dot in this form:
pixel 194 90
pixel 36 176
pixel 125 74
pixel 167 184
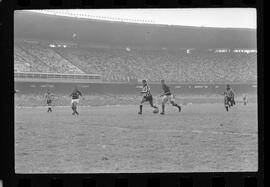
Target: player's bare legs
pixel 152 105
pixel 141 105
pixel 164 101
pixel 226 103
pixel 144 99
pixel 74 108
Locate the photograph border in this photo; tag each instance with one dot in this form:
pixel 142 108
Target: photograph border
pixel 7 173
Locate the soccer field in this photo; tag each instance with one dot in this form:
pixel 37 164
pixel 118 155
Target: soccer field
pixel 201 138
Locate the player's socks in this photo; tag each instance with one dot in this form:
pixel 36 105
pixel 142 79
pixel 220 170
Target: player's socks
pixel 163 108
pixel 140 112
pixel 176 105
pixel 179 107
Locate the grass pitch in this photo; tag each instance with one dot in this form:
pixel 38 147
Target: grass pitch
pixel 109 139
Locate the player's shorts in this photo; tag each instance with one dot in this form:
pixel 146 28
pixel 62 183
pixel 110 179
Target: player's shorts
pixel 49 102
pixel 169 98
pixel 147 98
pixel 76 101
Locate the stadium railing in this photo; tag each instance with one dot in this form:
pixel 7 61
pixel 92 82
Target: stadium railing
pixel 32 75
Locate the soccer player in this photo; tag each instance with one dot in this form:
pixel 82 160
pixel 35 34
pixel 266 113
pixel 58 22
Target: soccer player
pixel 167 96
pixel 226 101
pixel 229 97
pixel 75 98
pixel 146 96
pixel 230 94
pixel 49 99
pixel 245 99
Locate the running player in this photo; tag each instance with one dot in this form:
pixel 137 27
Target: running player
pixel 49 99
pixel 146 96
pixel 75 98
pixel 167 96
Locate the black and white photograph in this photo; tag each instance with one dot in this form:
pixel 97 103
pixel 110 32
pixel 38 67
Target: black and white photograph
pixel 135 90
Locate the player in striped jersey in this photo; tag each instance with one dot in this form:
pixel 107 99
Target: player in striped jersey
pixel 146 96
pixel 167 96
pixel 49 98
pixel 229 97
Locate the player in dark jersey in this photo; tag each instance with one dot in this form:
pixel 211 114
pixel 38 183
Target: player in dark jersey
pixel 231 94
pixel 229 97
pixel 75 99
pixel 146 96
pixel 167 96
pixel 49 100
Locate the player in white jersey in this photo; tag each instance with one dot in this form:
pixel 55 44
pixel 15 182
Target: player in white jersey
pixel 245 100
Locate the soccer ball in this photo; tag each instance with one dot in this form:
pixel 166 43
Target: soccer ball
pixel 155 110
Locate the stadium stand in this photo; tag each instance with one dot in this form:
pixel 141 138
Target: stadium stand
pixel 118 64
pixel 24 62
pixel 178 66
pixel 45 59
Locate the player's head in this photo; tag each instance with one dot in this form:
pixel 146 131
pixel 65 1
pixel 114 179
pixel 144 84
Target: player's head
pixel 228 87
pixel 162 81
pixel 144 82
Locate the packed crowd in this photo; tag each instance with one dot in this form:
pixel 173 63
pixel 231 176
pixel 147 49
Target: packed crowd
pixel 153 65
pixel 121 65
pixel 43 59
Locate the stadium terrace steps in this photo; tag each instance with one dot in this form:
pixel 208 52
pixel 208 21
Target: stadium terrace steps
pixel 70 60
pixel 54 61
pixel 34 64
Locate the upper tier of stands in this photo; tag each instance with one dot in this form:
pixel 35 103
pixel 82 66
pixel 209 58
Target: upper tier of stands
pixel 121 65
